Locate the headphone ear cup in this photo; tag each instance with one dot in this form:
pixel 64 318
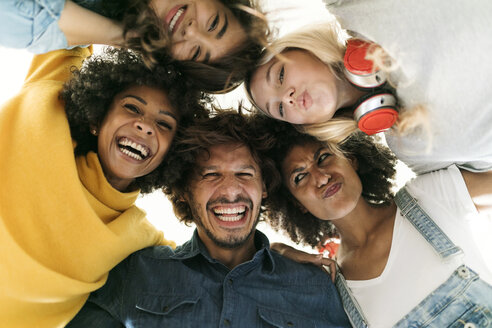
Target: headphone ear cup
pixel 376 112
pixel 360 71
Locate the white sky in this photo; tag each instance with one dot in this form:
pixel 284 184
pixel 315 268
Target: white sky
pixel 287 15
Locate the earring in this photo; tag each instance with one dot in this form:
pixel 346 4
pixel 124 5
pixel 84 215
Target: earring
pixel 94 131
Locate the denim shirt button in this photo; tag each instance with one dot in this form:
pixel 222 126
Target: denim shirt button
pixel 464 273
pixel 227 322
pixel 469 325
pixel 290 324
pixel 165 308
pixel 230 282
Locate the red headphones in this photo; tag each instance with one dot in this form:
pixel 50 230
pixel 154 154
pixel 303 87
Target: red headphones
pixel 376 111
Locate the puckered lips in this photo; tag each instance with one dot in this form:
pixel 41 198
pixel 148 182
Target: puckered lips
pixel 230 215
pixel 174 17
pixel 133 149
pixel 304 100
pixel 332 189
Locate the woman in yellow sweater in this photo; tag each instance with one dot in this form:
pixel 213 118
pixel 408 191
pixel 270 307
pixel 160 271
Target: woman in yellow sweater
pixel 66 220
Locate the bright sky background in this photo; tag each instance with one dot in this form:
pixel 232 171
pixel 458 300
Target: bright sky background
pixel 287 15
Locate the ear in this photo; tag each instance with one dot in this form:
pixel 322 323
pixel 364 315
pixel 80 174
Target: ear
pixel 264 193
pixel 354 162
pixel 94 129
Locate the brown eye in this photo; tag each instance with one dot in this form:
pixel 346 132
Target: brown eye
pixel 196 54
pixel 214 24
pixel 299 177
pixel 132 108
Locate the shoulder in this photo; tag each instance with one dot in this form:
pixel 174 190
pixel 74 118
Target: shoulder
pixel 291 270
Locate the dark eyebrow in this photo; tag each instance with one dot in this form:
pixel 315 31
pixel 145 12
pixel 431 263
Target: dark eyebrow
pixel 164 112
pixel 317 152
pixel 245 167
pixel 273 61
pixel 219 36
pixel 223 29
pixel 315 156
pixel 137 98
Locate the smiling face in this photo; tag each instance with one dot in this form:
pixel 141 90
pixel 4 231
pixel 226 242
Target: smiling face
pixel 135 134
pixel 300 89
pixel 225 194
pixel 201 30
pixel 326 185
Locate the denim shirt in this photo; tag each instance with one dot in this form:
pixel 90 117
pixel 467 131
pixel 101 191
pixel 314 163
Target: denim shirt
pixel 33 24
pixel 159 287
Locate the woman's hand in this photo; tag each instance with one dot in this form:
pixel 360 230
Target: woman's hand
pixel 329 266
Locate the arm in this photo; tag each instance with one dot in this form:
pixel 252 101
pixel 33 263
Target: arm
pixel 480 189
pixel 82 26
pixel 303 257
pixel 44 25
pixel 104 306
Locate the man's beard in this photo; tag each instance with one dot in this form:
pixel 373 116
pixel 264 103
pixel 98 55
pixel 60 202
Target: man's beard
pixel 231 241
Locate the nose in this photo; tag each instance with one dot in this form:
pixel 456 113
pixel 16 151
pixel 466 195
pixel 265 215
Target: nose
pixel 288 97
pixel 144 127
pixel 191 30
pixel 321 178
pixel 230 187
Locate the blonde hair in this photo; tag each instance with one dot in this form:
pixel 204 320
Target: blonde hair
pixel 327 41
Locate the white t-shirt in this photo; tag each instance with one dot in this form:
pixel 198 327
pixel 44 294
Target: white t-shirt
pixel 443 50
pixel 414 269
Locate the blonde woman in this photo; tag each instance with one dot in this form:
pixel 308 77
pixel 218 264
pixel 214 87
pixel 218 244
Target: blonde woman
pixel 436 128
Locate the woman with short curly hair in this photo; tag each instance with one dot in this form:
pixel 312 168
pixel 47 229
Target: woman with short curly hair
pixel 402 255
pixel 76 156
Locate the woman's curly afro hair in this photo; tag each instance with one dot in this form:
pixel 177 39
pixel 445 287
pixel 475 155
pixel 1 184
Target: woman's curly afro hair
pixel 376 169
pixel 89 93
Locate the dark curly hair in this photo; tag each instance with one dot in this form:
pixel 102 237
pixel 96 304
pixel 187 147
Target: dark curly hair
pixel 153 41
pixel 376 170
pixel 90 91
pixel 226 127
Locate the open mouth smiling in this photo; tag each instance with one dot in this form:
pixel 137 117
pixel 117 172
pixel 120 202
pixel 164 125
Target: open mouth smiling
pixel 132 149
pixel 174 20
pixel 230 214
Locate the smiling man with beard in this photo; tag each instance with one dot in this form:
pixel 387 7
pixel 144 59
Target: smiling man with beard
pixel 226 275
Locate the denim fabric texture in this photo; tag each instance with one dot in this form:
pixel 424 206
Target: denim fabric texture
pixel 159 287
pixel 33 24
pixel 462 301
pixel 352 308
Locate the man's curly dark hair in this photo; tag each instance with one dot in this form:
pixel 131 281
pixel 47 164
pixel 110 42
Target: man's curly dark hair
pixel 376 169
pixel 226 127
pixel 90 91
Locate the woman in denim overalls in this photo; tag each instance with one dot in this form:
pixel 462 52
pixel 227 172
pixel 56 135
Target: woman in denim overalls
pixel 410 260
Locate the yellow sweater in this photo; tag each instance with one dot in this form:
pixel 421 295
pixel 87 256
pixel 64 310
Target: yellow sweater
pixel 62 225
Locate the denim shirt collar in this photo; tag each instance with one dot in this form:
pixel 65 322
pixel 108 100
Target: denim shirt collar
pixel 195 247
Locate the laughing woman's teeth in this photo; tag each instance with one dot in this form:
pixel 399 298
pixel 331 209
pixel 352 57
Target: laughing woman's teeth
pixel 132 155
pixel 175 19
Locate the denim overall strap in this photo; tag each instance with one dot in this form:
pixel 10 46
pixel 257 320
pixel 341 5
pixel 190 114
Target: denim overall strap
pixel 425 225
pixel 352 308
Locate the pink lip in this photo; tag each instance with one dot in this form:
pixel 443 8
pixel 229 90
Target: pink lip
pixel 332 190
pixel 170 16
pixel 304 100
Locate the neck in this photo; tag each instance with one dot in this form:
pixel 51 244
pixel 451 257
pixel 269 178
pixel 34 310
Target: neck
pixel 360 226
pixel 348 95
pixel 232 257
